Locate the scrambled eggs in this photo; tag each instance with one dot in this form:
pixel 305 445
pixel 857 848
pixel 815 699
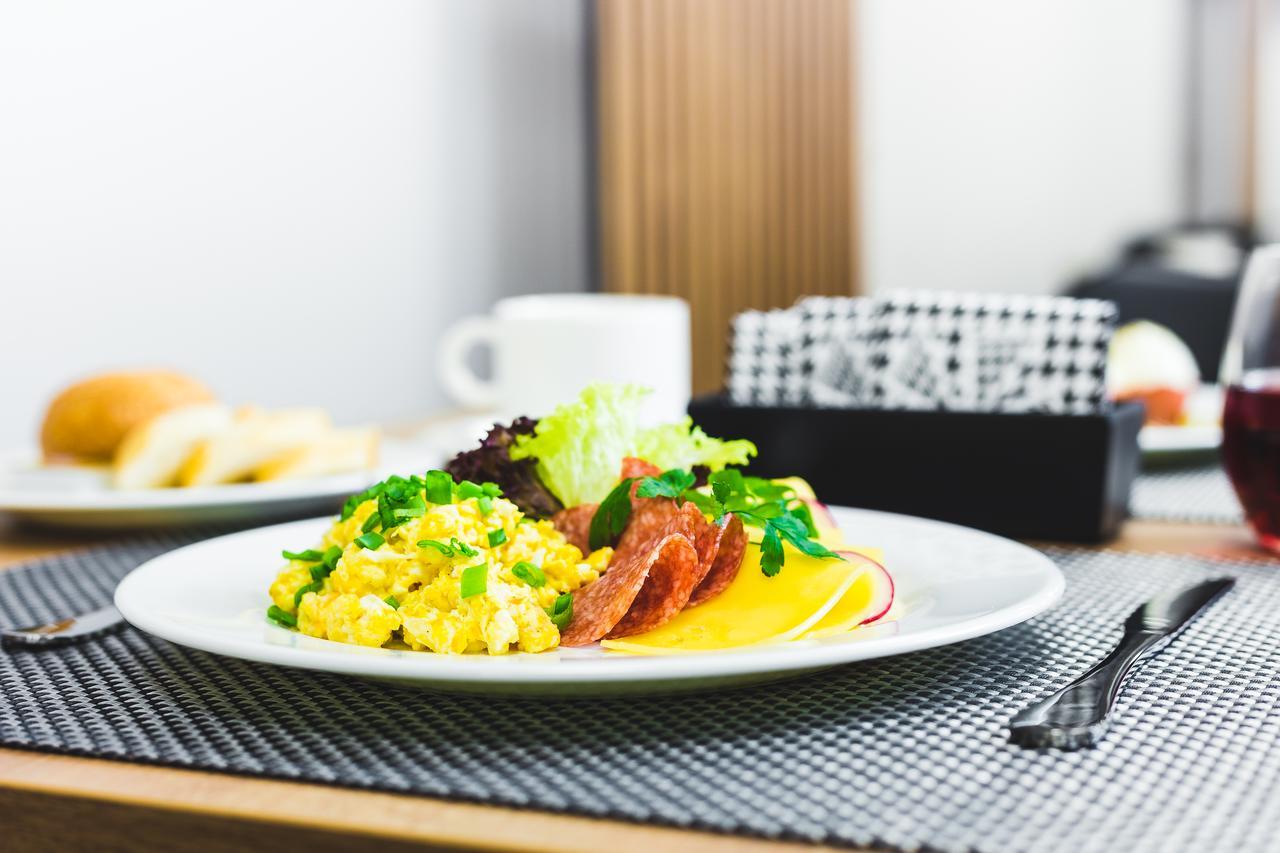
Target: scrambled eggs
pixel 469 575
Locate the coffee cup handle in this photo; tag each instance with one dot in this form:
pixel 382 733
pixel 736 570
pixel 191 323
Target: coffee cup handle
pixel 462 384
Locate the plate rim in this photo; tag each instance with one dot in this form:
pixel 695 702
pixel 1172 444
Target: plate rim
pixel 517 670
pixel 113 501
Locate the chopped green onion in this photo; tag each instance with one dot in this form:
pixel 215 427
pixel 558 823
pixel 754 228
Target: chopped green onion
pixel 308 556
pixel 439 487
pixel 497 537
pixel 371 522
pixel 314 586
pixel 444 549
pixel 331 556
pixel 529 573
pixel 468 489
pixel 485 503
pixel 372 541
pixel 282 617
pixel 319 572
pixel 474 580
pixel 561 612
pixel 462 547
pixel 492 490
pixel 391 599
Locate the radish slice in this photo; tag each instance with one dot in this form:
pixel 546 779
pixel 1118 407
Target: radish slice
pixel 885 592
pixel 821 515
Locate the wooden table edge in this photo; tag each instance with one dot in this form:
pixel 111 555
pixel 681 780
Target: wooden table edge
pixel 434 822
pixel 350 812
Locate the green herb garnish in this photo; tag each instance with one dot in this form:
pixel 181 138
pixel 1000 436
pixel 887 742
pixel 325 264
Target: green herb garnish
pixel 282 617
pixel 444 549
pixel 758 502
pixel 611 517
pixel 391 599
pixel 561 612
pixel 455 547
pixel 497 537
pixel 474 580
pixel 670 484
pixel 331 556
pixel 308 556
pixel 529 573
pixel 439 487
pixel 372 541
pixel 314 586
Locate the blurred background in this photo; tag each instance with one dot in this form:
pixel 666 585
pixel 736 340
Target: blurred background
pixel 292 199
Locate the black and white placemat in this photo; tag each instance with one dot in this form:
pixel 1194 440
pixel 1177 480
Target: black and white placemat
pixel 908 752
pixel 1200 494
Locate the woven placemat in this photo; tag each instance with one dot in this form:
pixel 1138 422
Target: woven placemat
pixel 908 752
pixel 1202 494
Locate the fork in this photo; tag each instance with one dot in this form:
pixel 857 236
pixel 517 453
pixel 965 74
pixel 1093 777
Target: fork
pixel 69 630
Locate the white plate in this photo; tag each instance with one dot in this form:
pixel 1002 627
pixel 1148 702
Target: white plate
pixel 83 498
pixel 953 583
pixel 1158 439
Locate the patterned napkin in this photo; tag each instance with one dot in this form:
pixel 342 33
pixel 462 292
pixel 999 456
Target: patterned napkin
pixel 926 350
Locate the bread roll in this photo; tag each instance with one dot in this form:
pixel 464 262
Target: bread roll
pixel 251 441
pixel 153 452
pixel 338 452
pixel 89 420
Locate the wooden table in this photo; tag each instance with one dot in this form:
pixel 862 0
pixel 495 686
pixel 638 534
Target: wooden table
pixel 57 802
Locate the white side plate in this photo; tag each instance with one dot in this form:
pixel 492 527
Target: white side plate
pixel 83 497
pixel 953 584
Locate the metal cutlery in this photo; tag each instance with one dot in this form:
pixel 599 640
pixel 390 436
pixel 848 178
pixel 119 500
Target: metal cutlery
pixel 63 631
pixel 1077 716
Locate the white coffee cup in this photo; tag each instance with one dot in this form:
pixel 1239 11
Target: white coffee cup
pixel 546 348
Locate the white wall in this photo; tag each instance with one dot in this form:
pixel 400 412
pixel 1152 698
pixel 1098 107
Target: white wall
pixel 1010 144
pixel 288 198
pixel 1268 106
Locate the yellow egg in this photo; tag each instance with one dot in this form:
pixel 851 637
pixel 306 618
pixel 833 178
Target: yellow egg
pixel 403 594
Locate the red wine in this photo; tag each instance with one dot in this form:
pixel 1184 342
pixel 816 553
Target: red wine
pixel 1251 451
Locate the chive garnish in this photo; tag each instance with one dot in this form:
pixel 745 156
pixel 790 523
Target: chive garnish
pixel 372 541
pixel 439 487
pixel 314 586
pixel 371 522
pixel 497 537
pixel 282 617
pixel 331 556
pixel 561 612
pixel 391 599
pixel 462 547
pixel 468 489
pixel 474 580
pixel 319 572
pixel 308 556
pixel 485 503
pixel 444 549
pixel 529 573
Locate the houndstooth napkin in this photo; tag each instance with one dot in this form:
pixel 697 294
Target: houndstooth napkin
pixel 926 350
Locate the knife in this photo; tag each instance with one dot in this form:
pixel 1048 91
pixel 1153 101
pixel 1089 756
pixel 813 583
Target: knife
pixel 1077 716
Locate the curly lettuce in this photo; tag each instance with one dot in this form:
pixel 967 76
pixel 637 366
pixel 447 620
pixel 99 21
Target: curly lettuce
pixel 580 447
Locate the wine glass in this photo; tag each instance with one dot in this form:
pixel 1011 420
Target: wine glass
pixel 1251 416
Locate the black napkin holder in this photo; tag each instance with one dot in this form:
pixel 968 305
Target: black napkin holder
pixel 1029 476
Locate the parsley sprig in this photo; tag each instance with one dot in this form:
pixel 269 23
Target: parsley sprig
pixel 760 503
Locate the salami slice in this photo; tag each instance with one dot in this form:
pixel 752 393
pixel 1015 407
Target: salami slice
pixel 633 467
pixel 575 524
pixel 650 581
pixel 721 548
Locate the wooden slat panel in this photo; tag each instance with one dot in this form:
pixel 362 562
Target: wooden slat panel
pixel 726 156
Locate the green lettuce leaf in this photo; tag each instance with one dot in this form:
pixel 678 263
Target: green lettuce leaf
pixel 580 447
pixel 683 445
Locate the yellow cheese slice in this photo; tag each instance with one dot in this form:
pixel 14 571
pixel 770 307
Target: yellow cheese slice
pixel 753 609
pixel 852 608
